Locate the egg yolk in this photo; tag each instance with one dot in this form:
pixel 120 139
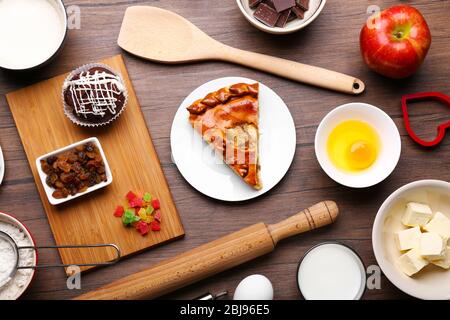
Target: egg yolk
pixel 353 146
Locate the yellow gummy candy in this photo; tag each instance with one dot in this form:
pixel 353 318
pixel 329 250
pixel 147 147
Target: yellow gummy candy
pixel 142 214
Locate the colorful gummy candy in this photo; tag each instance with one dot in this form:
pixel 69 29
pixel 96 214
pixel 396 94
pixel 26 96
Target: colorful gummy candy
pixel 142 213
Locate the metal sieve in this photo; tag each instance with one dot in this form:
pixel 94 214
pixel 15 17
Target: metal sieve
pixel 9 274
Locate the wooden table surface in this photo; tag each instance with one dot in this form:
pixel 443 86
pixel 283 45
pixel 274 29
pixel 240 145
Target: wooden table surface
pixel 331 42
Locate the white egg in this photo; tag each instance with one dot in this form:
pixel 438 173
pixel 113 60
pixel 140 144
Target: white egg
pixel 254 287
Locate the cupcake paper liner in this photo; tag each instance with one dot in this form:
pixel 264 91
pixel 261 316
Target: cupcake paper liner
pixel 68 111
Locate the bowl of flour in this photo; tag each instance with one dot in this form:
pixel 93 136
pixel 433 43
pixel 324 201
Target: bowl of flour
pixel 32 32
pixel 19 283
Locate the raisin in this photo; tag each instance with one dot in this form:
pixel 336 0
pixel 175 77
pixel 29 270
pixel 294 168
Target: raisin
pixel 84 175
pixel 65 192
pixel 67 177
pixel 73 157
pixel 58 194
pixel 46 167
pixel 63 165
pixel 59 184
pixel 92 179
pixel 81 156
pixel 90 155
pixel 51 160
pixel 76 167
pixel 51 179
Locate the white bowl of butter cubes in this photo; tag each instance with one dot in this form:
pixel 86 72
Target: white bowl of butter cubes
pixel 410 239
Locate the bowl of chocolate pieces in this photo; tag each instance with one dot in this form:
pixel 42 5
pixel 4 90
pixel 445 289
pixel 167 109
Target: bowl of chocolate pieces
pixel 280 16
pixel 73 171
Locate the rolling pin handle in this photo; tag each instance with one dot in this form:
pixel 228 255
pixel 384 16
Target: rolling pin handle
pixel 319 215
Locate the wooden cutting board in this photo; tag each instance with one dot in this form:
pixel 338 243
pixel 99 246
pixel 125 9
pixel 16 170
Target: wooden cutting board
pixel 43 127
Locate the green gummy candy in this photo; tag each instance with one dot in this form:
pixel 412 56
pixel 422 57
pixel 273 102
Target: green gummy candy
pixel 147 197
pixel 129 217
pixel 149 210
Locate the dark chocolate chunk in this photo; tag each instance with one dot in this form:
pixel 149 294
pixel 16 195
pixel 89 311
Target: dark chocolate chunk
pixel 283 19
pixel 266 15
pixel 292 16
pixel 281 5
pixel 269 3
pixel 254 3
pixel 298 12
pixel 304 4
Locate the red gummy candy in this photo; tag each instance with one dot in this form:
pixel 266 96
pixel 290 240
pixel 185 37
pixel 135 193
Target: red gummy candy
pixel 142 227
pixel 136 202
pixel 119 211
pixel 155 225
pixel 155 204
pixel 157 216
pixel 136 210
pixel 130 196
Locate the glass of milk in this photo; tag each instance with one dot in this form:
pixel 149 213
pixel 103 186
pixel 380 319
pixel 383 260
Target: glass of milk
pixel 331 271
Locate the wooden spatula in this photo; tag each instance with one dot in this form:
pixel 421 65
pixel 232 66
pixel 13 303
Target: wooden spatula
pixel 163 36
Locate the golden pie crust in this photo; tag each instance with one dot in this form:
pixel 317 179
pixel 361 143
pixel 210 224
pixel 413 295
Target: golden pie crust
pixel 228 120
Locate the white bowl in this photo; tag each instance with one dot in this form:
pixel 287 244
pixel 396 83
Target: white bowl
pixel 390 144
pixel 432 282
pixel 49 191
pixel 15 222
pixel 315 8
pixel 37 15
pixel 2 166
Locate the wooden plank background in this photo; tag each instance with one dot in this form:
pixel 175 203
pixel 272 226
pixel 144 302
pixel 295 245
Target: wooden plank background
pixel 331 41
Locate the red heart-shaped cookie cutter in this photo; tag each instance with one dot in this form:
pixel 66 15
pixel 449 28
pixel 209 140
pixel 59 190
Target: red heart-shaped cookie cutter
pixel 425 96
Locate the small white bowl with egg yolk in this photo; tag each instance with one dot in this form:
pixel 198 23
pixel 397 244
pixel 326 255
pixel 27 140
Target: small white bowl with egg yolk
pixel 357 145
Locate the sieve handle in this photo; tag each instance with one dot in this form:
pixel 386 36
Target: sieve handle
pixel 105 263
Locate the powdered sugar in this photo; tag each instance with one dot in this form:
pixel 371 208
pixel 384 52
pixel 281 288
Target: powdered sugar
pixel 14 288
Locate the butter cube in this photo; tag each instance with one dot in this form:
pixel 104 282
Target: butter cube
pixel 408 239
pixel 432 246
pixel 440 224
pixel 445 262
pixel 416 215
pixel 412 262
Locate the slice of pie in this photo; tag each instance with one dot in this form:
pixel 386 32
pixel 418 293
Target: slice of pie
pixel 228 120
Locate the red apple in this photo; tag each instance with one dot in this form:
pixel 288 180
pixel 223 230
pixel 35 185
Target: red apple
pixel 394 42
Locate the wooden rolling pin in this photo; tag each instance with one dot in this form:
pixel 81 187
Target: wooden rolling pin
pixel 214 257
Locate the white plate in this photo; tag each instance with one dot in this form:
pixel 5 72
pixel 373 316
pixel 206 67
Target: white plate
pixel 2 166
pixel 208 173
pixel 49 191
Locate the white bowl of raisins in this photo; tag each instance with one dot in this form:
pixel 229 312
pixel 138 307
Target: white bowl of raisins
pixel 74 171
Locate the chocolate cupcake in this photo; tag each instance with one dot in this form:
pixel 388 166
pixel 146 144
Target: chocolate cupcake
pixel 94 95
